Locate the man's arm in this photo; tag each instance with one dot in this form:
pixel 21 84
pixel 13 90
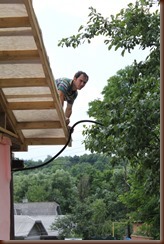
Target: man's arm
pixel 68 110
pixel 61 96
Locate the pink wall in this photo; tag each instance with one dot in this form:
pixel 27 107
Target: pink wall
pixel 5 176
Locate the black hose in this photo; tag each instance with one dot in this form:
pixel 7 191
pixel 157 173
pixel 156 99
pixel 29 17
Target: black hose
pixel 69 138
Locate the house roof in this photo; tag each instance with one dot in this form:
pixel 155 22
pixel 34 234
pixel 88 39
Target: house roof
pixel 45 212
pixel 47 222
pixel 24 225
pixel 30 109
pixel 37 208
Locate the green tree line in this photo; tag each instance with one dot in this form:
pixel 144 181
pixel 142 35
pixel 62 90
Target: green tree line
pixel 89 189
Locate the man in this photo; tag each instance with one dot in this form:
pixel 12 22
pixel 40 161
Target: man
pixel 67 90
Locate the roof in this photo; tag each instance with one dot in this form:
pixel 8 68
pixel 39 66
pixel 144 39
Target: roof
pixel 47 222
pixel 30 109
pixel 25 226
pixel 37 208
pixel 44 212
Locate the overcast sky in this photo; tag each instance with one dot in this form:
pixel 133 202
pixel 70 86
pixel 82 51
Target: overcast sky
pixel 59 19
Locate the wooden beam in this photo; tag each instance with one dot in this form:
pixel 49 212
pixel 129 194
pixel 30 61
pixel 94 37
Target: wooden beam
pixel 25 31
pixel 22 82
pixel 10 22
pixel 7 132
pixel 45 141
pixel 39 125
pixel 2 119
pixel 30 105
pixel 18 54
pixel 10 117
pixel 29 96
pixel 10 1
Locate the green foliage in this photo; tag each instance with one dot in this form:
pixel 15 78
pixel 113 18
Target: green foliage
pixel 92 199
pixel 20 187
pixel 130 113
pixel 65 227
pixel 135 25
pixel 63 190
pixel 85 195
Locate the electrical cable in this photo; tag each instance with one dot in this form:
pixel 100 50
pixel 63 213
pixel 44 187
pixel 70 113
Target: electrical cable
pixel 69 138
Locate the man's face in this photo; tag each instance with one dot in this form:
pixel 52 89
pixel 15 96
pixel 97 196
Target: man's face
pixel 80 82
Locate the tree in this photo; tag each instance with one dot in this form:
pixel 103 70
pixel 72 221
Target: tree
pixel 130 113
pixel 37 188
pixel 62 189
pixel 135 25
pixel 20 187
pixel 130 108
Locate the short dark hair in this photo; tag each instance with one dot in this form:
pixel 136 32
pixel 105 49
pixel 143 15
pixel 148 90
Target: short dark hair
pixel 81 73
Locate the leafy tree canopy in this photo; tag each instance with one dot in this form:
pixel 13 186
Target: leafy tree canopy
pixel 130 108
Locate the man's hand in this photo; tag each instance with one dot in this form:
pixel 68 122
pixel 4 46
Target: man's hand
pixel 67 120
pixel 70 129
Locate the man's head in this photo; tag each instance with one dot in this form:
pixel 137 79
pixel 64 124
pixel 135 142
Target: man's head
pixel 79 80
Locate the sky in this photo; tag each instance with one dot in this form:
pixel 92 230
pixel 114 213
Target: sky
pixel 60 19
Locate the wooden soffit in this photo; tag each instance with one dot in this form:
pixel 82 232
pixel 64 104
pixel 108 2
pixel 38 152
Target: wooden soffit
pixel 30 110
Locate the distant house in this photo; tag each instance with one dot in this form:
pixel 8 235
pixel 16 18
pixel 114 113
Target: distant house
pixel 28 228
pixel 43 213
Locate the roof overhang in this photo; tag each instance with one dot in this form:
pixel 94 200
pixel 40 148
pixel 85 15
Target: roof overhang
pixel 30 109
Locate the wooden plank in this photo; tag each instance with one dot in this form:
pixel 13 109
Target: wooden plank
pixel 21 31
pixel 3 104
pixel 43 133
pixel 39 125
pixel 18 55
pixel 30 105
pixel 21 69
pixel 8 132
pixel 17 43
pixel 12 9
pixel 10 1
pixel 45 141
pixel 22 82
pixel 10 117
pixel 29 96
pixel 8 22
pixel 27 91
pixel 36 115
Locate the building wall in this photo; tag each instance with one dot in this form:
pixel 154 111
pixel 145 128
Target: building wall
pixel 5 177
pixel 136 226
pixel 140 238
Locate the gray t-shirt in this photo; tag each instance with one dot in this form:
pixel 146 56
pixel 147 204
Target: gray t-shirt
pixel 65 85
